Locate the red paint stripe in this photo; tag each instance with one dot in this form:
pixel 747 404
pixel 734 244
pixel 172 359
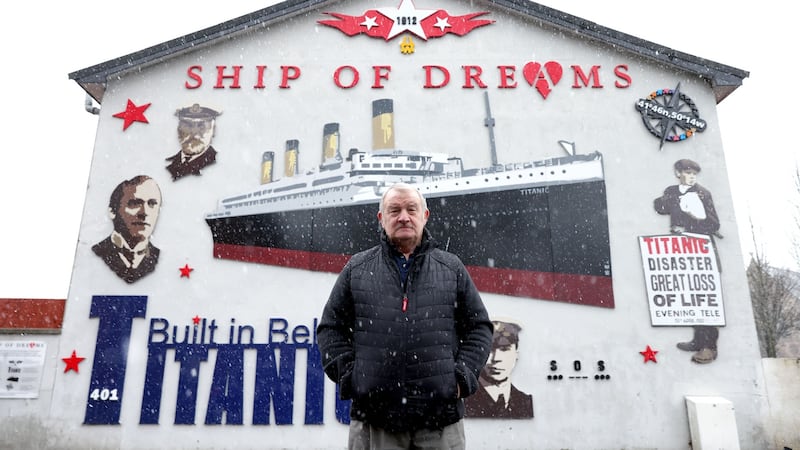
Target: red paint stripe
pixel 320 262
pixel 31 314
pixel 561 287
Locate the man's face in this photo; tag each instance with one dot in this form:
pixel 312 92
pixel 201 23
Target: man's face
pixel 687 177
pixel 501 362
pixel 138 211
pixel 403 217
pixel 195 135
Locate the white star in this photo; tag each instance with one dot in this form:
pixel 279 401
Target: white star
pixel 406 18
pixel 441 23
pixel 369 23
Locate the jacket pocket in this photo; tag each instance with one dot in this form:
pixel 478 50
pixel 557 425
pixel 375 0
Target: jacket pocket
pixel 346 382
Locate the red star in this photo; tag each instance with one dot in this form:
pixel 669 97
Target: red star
pixel 185 271
pixel 649 355
pixel 72 362
pixel 132 114
pixel 196 320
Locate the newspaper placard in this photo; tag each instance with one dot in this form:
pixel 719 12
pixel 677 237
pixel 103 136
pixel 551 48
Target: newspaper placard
pixel 21 364
pixel 683 281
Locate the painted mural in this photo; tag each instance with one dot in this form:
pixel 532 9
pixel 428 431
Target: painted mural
pixel 532 229
pixel 133 208
pixel 682 269
pixel 193 310
pixel 497 397
pixel 196 125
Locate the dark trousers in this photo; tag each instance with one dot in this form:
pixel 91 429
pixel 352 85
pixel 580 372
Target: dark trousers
pixel 363 436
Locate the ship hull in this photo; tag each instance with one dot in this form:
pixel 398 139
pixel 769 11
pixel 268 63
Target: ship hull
pixel 547 243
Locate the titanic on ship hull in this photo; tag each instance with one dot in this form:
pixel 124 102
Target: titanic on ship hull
pixel 535 229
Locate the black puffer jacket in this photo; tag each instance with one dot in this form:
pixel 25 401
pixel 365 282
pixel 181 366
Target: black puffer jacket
pixel 403 370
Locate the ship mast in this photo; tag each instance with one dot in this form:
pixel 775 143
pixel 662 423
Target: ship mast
pixel 489 123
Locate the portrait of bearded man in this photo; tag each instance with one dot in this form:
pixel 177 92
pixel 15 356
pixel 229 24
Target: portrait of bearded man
pixel 196 125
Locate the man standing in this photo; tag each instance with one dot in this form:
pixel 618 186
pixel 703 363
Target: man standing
pixel 404 334
pixel 133 207
pixel 691 209
pixel 195 129
pixel 497 397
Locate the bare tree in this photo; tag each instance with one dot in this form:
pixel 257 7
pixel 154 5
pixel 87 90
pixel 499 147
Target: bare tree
pixel 775 307
pixel 796 240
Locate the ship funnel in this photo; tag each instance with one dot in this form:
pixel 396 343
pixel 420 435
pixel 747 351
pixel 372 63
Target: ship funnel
pixel 351 153
pixel 382 124
pixel 290 158
pixel 330 144
pixel 266 167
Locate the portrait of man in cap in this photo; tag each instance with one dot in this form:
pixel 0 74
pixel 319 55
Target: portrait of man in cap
pixel 133 208
pixel 195 130
pixel 690 208
pixel 497 397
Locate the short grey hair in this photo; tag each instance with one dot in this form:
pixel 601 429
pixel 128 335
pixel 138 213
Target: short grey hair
pixel 405 187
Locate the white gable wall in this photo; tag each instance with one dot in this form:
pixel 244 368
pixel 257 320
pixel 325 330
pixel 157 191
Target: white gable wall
pixel 642 405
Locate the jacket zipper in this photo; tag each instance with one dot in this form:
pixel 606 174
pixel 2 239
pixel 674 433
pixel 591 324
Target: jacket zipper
pixel 404 306
pixel 405 293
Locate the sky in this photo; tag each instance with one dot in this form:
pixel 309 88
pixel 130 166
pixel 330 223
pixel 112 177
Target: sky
pixel 45 170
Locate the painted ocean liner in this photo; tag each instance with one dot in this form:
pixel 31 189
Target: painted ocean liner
pixel 535 229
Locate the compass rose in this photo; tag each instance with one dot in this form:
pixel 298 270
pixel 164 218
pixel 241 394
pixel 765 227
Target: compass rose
pixel 670 115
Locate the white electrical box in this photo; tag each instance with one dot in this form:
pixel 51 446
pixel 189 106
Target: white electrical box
pixel 712 423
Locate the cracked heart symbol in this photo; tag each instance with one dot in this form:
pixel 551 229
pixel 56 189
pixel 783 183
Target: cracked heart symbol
pixel 535 77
